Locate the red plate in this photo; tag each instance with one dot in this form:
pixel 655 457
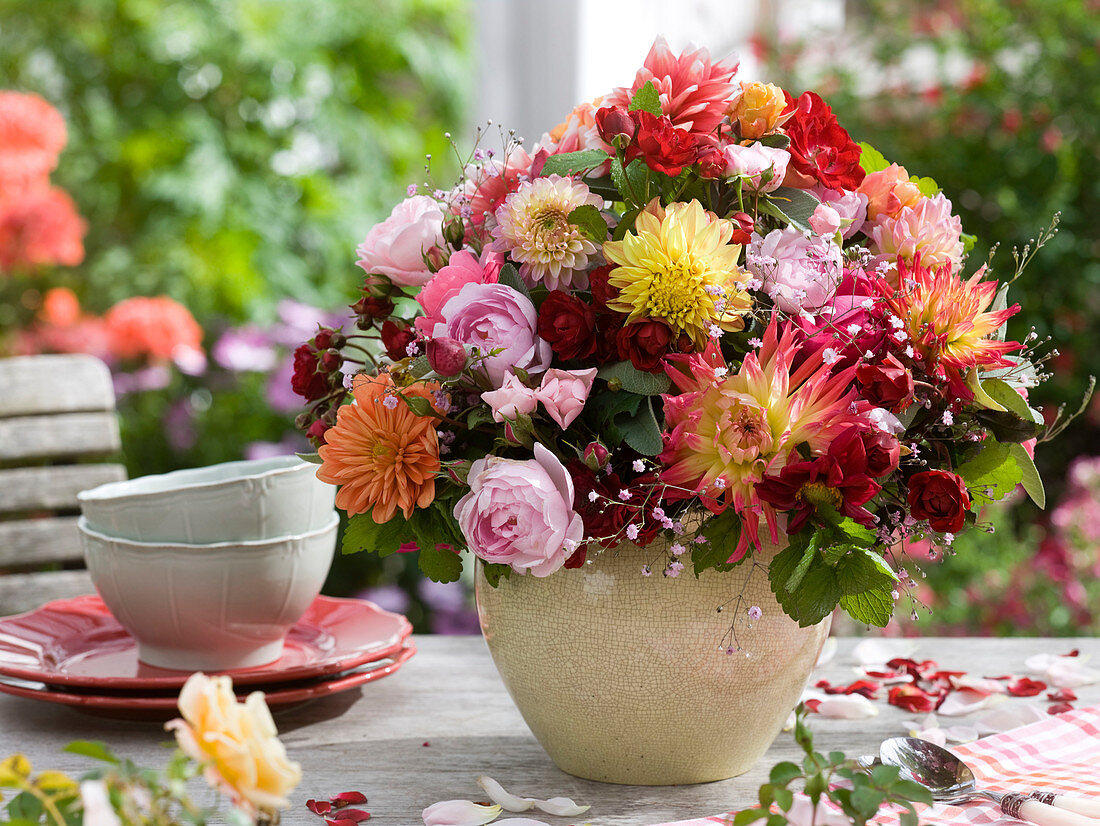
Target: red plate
pixel 76 642
pixel 160 706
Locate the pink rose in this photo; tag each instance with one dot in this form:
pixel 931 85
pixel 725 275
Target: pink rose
pixel 753 164
pixel 851 206
pixel 564 392
pixel 520 513
pixel 496 317
pixel 396 247
pixel 462 269
pixel 799 273
pixel 825 221
pixel 512 398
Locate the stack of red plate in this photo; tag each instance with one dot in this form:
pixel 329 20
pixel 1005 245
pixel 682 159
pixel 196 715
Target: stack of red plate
pixel 75 653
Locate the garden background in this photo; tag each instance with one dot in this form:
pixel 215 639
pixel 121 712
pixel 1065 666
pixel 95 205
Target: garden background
pixel 230 154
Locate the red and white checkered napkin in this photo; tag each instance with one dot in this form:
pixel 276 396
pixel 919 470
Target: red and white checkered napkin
pixel 1059 754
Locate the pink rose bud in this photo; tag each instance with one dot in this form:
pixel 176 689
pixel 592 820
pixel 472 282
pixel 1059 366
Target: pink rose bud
pixel 825 220
pixel 564 392
pixel 596 455
pixel 513 398
pixel 446 356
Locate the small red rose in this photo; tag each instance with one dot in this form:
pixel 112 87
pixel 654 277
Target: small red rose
pixel 396 339
pixel 568 324
pixel 645 342
pixel 940 497
pixel 887 384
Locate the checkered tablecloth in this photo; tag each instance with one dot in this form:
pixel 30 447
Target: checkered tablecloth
pixel 1059 754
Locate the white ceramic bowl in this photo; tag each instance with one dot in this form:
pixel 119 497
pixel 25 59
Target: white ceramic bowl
pixel 209 607
pixel 258 499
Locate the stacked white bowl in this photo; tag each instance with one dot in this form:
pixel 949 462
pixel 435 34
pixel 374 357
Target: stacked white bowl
pixel 208 568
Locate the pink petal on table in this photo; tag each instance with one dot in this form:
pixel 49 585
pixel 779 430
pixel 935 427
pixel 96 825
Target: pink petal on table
pixel 459 813
pixel 1009 716
pixel 960 734
pixel 931 735
pixel 983 685
pixel 966 701
pixel 847 707
pixel 1071 673
pixel 875 651
pixel 884 675
pixel 560 806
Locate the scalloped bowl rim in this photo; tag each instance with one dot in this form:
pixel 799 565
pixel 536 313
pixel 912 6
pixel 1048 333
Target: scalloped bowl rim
pixel 200 478
pixel 259 544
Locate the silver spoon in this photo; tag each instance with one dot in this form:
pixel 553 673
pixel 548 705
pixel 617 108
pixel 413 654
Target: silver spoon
pixel 951 781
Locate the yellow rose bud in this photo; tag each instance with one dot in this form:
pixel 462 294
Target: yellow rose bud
pixel 758 110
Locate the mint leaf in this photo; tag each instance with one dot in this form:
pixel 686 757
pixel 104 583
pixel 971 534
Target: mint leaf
pixel 509 277
pixel 799 572
pixel 440 564
pixel 870 607
pixel 646 99
pixel 1004 394
pixel 571 163
pixel 642 431
pixel 634 380
pixel 362 533
pixel 1031 481
pixel 590 221
pixel 817 595
pixel 723 532
pixel 795 206
pixel 992 474
pixel 871 159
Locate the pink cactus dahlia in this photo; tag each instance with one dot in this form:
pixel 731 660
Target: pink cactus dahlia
pixel 725 433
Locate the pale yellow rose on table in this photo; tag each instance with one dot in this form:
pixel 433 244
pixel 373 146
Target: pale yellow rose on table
pixel 236 743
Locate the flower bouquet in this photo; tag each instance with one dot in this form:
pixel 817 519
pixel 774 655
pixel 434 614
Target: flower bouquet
pixel 695 325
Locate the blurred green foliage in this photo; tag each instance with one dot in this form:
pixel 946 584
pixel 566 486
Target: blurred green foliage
pixel 232 152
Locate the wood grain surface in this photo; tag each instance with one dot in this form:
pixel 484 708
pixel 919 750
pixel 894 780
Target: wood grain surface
pixel 54 384
pixel 426 733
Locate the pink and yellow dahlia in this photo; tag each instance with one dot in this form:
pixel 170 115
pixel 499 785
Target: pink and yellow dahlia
pixel 679 266
pixel 726 432
pixel 533 229
pixel 949 323
pixel 694 92
pixel 928 230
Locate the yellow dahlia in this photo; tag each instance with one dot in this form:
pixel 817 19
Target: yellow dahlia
pixel 381 454
pixel 679 266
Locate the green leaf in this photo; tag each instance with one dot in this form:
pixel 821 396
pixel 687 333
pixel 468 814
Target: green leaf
pixel 926 185
pixel 866 800
pixel 783 773
pixel 864 570
pixel 494 572
pixel 626 223
pixel 816 596
pixel 871 159
pixel 910 790
pixel 613 410
pixel 908 819
pixel 1005 395
pixel 509 277
pixel 884 775
pixel 362 533
pixel 815 787
pixel 418 405
pixel 969 241
pixel 634 380
pixel 440 564
pixel 795 206
pixel 571 163
pixel 870 607
pixel 723 532
pixel 93 749
pixel 1031 481
pixel 776 140
pixel 647 100
pixel 1008 427
pixel 746 816
pixel 799 572
pixel 642 432
pixel 25 806
pixel 784 798
pixel 590 221
pixel 992 474
pixel 312 458
pixel 981 398
pixel 419 367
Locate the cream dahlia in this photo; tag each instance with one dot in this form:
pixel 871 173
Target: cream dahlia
pixel 927 229
pixel 532 227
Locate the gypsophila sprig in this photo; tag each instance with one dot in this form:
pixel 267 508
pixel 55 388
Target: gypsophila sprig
pixel 698 309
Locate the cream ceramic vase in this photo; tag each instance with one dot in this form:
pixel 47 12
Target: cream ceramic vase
pixel 625 678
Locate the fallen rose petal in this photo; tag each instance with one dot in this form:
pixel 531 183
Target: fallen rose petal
pixel 932 735
pixel 874 651
pixel 985 685
pixel 1071 673
pixel 560 806
pixel 1026 687
pixel 1008 716
pixel 1059 708
pixel 319 807
pixel 347 799
pixel 340 821
pixel 459 813
pixel 812 705
pixel 884 675
pixel 1062 695
pixel 912 698
pixel 828 651
pixel 1076 652
pixel 521 821
pixel 960 734
pixel 958 703
pixel 354 815
pixel 847 707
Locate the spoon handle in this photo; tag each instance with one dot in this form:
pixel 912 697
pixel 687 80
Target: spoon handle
pixel 1082 805
pixel 1030 809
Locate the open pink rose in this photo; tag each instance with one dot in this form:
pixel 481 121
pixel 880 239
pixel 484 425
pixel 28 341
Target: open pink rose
pixel 396 247
pixel 496 317
pixel 462 269
pixel 825 221
pixel 799 273
pixel 520 513
pixel 564 392
pixel 753 164
pixel 851 206
pixel 512 398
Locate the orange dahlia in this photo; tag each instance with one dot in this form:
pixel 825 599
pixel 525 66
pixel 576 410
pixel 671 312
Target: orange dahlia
pixel 381 454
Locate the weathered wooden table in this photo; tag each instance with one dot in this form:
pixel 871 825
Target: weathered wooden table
pixel 425 733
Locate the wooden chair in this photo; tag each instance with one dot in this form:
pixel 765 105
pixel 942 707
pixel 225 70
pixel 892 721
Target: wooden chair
pixel 57 424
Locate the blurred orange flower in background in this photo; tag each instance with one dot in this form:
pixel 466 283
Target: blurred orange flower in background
pixel 159 328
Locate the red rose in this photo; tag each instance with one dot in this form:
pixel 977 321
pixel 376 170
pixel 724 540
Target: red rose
pixel 396 339
pixel 309 380
pixel 663 147
pixel 883 452
pixel 887 384
pixel 712 164
pixel 821 147
pixel 317 431
pixel 602 291
pixel 615 126
pixel 608 327
pixel 568 324
pixel 370 307
pixel 940 497
pixel 743 225
pixel 645 343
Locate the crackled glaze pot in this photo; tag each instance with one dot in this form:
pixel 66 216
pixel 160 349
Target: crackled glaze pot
pixel 625 678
